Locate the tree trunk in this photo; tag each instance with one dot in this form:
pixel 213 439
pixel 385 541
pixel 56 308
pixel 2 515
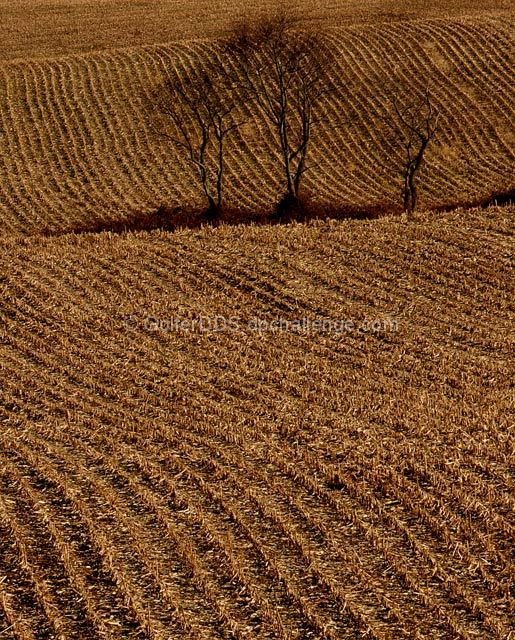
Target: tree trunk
pixel 413 193
pixel 285 148
pixel 220 175
pixel 213 211
pixel 406 192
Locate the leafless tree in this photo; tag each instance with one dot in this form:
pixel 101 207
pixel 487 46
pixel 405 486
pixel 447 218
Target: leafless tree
pixel 413 125
pixel 282 67
pixel 196 113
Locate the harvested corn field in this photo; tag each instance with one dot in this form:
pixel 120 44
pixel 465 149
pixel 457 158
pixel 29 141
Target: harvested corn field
pixel 299 431
pixel 78 148
pixel 258 431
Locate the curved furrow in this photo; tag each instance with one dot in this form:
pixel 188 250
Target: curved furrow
pixel 455 521
pixel 347 601
pixel 373 283
pixel 56 363
pixel 106 265
pixel 135 412
pixel 63 386
pixel 357 142
pixel 139 575
pixel 20 612
pixel 77 89
pixel 150 159
pixel 428 304
pixel 180 187
pixel 453 541
pixel 141 68
pixel 333 144
pixel 253 281
pixel 498 626
pixel 35 560
pixel 180 62
pixel 31 100
pixel 354 157
pixel 497 52
pixel 379 64
pixel 60 150
pixel 211 457
pixel 124 165
pixel 57 149
pixel 490 145
pixel 367 142
pixel 459 40
pixel 243 166
pixel 328 587
pixel 481 567
pixel 417 59
pixel 382 542
pixel 413 262
pixel 19 144
pixel 450 524
pixel 71 382
pixel 498 49
pixel 397 59
pixel 199 417
pixel 100 99
pixel 455 50
pixel 74 135
pixel 12 192
pixel 293 508
pixel 494 533
pixel 194 550
pixel 82 573
pixel 253 162
pixel 268 134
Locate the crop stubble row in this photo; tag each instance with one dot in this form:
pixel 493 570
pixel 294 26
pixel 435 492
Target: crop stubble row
pixel 164 485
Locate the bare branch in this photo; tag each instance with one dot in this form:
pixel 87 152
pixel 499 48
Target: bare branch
pixel 414 125
pixel 195 113
pixel 283 69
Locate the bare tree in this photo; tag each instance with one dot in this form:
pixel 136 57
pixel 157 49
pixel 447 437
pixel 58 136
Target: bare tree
pixel 282 67
pixel 195 112
pixel 413 124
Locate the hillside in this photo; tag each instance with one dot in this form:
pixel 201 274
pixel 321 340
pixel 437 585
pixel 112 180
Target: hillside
pixel 160 481
pixel 76 147
pixel 46 28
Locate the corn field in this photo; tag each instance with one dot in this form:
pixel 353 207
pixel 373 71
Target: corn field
pixel 255 432
pixel 77 147
pixel 164 479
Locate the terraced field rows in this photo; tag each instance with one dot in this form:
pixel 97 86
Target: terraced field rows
pixel 242 484
pixel 76 147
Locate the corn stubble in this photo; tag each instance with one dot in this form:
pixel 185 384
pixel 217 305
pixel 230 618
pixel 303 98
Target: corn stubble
pixel 160 483
pixel 231 484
